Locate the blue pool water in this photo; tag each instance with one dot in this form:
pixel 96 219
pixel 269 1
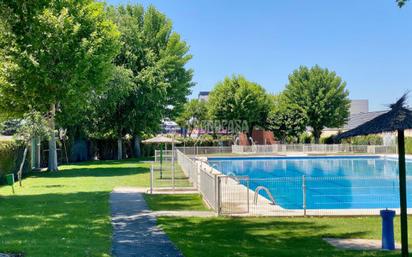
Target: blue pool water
pixel 329 182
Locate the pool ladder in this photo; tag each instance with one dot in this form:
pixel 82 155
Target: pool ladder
pixel 257 190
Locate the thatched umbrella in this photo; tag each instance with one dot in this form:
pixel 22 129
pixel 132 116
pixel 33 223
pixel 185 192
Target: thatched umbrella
pixel 160 139
pixel 397 119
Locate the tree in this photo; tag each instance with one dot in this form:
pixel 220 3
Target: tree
pixel 237 99
pixel 155 58
pixel 34 125
pixel 401 3
pixel 286 120
pixel 194 112
pixel 108 115
pixel 322 95
pixel 55 54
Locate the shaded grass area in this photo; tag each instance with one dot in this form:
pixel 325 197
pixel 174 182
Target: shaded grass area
pixel 247 237
pixel 66 213
pixel 176 202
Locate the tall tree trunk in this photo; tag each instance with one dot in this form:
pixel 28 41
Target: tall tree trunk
pixel 119 148
pixel 52 164
pixel 20 172
pixel 35 153
pixel 249 134
pixel 316 135
pixel 137 150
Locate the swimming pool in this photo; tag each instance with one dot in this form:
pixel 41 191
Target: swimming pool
pixel 341 182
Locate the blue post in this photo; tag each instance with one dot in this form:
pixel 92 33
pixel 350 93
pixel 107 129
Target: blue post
pixel 388 240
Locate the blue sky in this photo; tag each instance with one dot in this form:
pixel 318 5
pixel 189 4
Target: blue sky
pixel 368 43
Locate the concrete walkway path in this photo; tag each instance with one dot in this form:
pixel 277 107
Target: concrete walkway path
pixel 357 244
pixel 135 232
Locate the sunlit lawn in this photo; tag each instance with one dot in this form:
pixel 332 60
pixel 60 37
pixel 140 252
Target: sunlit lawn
pixel 65 213
pixel 271 237
pixel 177 202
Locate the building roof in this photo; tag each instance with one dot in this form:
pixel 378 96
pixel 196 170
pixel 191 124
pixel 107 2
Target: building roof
pixel 360 118
pixel 204 93
pixel 399 117
pixel 357 119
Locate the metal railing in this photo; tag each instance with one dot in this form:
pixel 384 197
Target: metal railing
pixel 314 148
pixel 229 194
pixel 204 150
pixel 208 187
pixel 189 167
pixel 165 173
pixel 312 196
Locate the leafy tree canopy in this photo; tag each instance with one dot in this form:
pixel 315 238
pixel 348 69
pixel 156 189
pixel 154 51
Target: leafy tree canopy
pixel 236 98
pixel 286 120
pixel 194 112
pixel 154 57
pixel 322 95
pixel 401 3
pixel 53 52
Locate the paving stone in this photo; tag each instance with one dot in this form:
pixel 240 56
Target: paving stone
pixel 135 232
pixel 356 244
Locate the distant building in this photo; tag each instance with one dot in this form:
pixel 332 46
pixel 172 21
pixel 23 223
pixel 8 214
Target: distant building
pixel 170 127
pixel 203 95
pixel 358 114
pixel 359 106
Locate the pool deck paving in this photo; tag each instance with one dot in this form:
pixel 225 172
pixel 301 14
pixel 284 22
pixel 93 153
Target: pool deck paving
pixel 357 244
pixel 135 232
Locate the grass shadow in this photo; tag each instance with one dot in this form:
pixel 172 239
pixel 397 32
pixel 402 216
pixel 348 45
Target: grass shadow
pixel 73 224
pixel 258 237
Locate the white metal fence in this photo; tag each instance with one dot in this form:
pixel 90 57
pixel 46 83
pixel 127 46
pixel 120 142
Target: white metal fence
pixel 291 196
pixel 166 173
pixel 311 196
pixel 282 196
pixel 314 148
pixel 189 167
pixel 204 150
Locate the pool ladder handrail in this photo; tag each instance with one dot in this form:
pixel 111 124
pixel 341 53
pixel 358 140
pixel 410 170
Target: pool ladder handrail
pixel 257 190
pixel 232 176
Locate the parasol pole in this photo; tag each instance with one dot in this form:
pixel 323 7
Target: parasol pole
pixel 161 159
pixel 173 162
pixel 402 191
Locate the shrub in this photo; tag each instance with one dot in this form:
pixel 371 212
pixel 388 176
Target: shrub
pixel 206 140
pixel 327 140
pixel 306 138
pixel 408 145
pixel 10 158
pixel 364 140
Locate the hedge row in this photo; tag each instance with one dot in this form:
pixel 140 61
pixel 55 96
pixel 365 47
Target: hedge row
pixel 11 154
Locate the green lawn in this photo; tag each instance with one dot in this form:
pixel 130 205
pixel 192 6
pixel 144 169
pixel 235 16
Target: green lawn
pixel 177 202
pixel 65 213
pixel 163 176
pixel 260 237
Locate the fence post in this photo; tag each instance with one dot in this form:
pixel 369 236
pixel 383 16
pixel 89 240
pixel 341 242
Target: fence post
pixel 247 188
pixel 198 175
pixel 151 179
pixel 173 168
pixel 304 194
pixel 218 194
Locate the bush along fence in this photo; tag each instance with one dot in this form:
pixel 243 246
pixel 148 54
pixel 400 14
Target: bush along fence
pixel 230 194
pixel 11 154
